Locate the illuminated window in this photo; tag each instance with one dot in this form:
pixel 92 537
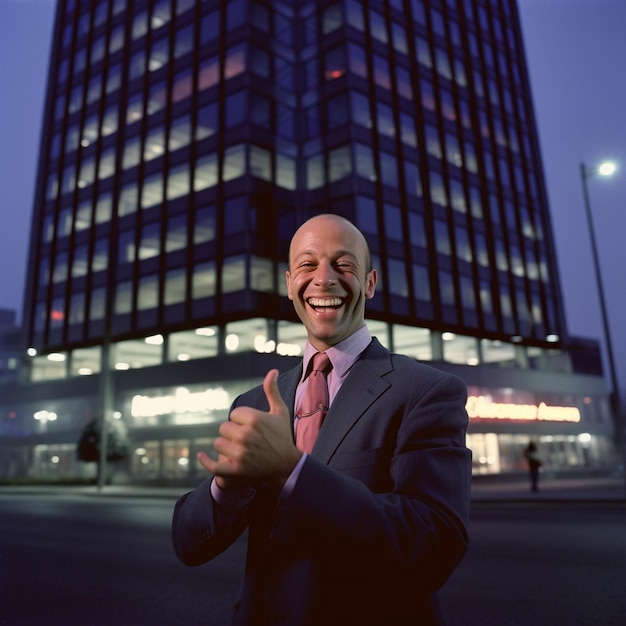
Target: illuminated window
pixel 205 175
pixel 148 293
pixel 260 163
pixel 150 244
pixel 175 286
pixel 235 62
pixel 412 341
pixel 152 191
pixel 97 304
pixel 234 162
pixel 193 344
pixel 123 297
pixel 234 274
pixel 261 274
pixel 203 280
pixel 178 182
pixel 80 262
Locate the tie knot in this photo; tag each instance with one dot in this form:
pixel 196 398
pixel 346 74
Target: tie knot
pixel 320 362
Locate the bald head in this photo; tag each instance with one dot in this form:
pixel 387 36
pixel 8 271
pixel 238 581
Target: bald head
pixel 337 223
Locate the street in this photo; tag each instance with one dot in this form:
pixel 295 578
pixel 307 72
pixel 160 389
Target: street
pixel 75 559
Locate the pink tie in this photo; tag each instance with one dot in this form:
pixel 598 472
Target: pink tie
pixel 314 404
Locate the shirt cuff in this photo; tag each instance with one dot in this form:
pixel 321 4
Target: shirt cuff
pixel 290 483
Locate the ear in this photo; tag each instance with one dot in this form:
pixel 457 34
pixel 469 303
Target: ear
pixel 288 281
pixel 370 284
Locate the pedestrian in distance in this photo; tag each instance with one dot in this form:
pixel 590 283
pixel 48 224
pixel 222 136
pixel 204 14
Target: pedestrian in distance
pixel 534 463
pixel 366 523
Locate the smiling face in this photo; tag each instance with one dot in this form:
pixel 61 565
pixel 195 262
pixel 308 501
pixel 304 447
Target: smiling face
pixel 329 279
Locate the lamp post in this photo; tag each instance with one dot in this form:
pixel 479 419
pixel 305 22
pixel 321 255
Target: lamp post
pixel 604 169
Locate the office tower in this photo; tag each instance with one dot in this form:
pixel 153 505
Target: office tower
pixel 185 140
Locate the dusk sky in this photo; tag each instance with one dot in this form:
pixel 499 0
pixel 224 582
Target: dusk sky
pixel 575 50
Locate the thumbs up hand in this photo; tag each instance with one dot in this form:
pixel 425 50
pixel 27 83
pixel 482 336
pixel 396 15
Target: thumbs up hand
pixel 255 445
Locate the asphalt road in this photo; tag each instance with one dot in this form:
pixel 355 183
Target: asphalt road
pixel 87 560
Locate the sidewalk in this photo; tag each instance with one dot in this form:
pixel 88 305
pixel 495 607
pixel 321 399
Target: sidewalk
pixel 484 489
pixel 557 489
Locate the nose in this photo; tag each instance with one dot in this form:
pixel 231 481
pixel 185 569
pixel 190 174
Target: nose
pixel 325 274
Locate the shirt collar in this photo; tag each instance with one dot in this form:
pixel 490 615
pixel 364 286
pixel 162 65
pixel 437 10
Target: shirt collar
pixel 343 355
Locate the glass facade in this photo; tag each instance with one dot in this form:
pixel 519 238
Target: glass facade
pixel 184 141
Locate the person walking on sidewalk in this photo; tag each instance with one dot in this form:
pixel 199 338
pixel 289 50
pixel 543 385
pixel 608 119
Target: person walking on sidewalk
pixel 534 463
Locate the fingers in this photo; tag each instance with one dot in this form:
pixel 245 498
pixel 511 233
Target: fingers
pixel 272 393
pixel 207 462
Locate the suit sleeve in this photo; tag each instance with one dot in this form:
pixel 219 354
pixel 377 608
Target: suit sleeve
pixel 417 522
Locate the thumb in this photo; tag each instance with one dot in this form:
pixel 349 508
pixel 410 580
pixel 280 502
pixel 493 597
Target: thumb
pixel 272 393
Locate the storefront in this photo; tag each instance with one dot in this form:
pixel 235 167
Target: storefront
pixel 567 417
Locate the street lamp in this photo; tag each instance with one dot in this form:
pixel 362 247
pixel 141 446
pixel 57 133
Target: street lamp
pixel 604 169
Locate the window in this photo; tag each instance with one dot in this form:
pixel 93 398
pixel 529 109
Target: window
pixel 176 236
pixel 360 106
pixel 203 280
pixel 396 279
pixel 412 341
pixel 393 223
pixel 180 133
pixel 204 226
pixel 234 274
pixel 357 60
pixel 339 164
pixel 334 63
pixel 178 182
pixel 123 298
pixel 175 286
pixel 442 238
pixel 384 120
pixel 152 192
pixel 206 122
pixel 235 62
pixel 364 160
pixel 100 259
pixel 128 199
pixel 421 283
pixel 260 163
pixel 261 274
pixel 148 293
pixel 234 162
pixel 236 109
pixel 209 73
pixel 382 75
pixel 80 263
pixel 150 244
pixel 236 214
pixel 205 173
pixel 388 169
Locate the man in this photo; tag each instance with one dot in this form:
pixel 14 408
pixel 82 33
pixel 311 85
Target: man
pixel 364 528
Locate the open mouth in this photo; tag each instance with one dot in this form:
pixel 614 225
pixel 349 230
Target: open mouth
pixel 324 304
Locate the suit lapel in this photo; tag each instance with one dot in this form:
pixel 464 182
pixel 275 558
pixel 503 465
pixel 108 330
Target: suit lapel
pixel 363 386
pixel 287 384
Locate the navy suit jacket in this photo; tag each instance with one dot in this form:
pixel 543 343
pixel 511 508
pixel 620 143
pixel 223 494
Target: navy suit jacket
pixel 377 520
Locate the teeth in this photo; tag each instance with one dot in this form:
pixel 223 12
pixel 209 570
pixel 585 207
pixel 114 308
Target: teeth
pixel 325 301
